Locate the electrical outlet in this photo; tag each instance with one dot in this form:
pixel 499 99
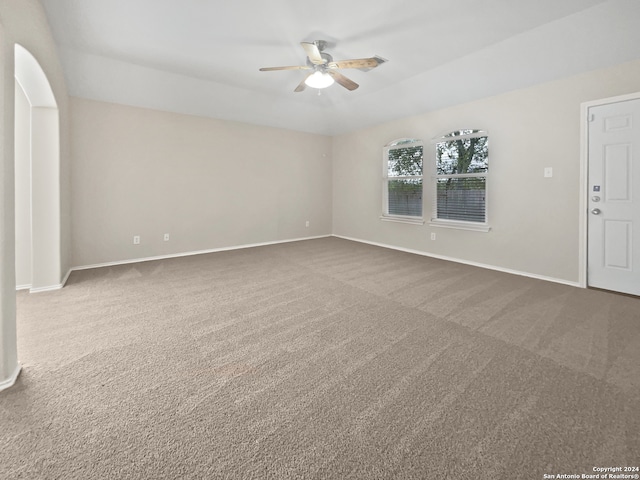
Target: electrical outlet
pixel 166 237
pixel 136 240
pixel 433 236
pixel 306 224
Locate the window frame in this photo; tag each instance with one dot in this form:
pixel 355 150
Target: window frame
pixel 393 145
pixel 459 224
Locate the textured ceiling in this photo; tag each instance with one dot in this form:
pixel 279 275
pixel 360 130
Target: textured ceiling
pixel 202 57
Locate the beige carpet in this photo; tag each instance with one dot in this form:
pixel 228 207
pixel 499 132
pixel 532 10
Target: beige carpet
pixel 320 359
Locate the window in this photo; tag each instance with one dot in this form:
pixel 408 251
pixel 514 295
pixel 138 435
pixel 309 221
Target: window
pixel 402 181
pixel 461 180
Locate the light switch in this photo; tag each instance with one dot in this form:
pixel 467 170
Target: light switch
pixel 548 172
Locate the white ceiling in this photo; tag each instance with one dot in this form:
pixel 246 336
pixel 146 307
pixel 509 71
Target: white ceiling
pixel 202 57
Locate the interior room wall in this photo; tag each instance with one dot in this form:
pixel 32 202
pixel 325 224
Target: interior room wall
pixel 24 22
pixel 534 220
pixel 45 218
pixel 27 25
pixel 208 183
pixel 23 188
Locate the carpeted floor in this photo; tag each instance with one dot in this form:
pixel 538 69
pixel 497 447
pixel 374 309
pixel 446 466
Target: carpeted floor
pixel 320 359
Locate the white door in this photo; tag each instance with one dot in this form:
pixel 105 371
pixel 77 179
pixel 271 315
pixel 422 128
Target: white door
pixel 614 197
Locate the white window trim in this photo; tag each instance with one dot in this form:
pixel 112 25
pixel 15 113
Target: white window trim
pixel 402 219
pixel 386 216
pixel 459 224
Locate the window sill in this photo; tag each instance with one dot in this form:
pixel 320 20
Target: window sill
pixel 398 219
pixel 475 227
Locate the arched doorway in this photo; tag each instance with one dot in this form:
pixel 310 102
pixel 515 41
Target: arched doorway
pixel 37 182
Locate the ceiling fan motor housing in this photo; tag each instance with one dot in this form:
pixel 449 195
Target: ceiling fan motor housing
pixel 326 57
pixel 321 44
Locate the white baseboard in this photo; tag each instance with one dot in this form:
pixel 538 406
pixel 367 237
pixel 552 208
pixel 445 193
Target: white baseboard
pixel 64 280
pixel 466 262
pixel 12 378
pixel 197 252
pixel 252 245
pixel 47 288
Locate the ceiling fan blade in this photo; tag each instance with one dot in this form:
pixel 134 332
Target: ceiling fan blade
pixel 313 52
pixel 294 67
pixel 301 86
pixel 357 63
pixel 342 80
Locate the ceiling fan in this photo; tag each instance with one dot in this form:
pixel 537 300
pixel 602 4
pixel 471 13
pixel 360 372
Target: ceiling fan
pixel 325 69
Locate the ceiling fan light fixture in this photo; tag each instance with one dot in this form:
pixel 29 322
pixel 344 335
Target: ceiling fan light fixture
pixel 319 80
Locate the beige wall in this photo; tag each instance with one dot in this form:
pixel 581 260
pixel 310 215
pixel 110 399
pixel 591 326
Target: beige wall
pixel 23 188
pixel 534 220
pixel 45 191
pixel 208 183
pixel 214 184
pixel 25 23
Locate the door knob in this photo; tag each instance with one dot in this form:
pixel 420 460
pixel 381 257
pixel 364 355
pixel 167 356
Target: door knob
pixel 596 211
